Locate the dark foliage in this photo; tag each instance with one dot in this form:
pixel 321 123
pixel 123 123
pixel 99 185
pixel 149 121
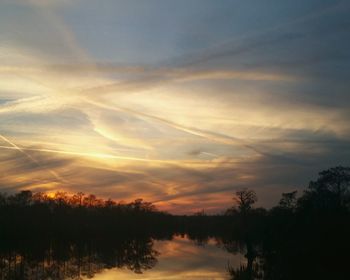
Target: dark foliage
pixel 28 215
pixel 305 237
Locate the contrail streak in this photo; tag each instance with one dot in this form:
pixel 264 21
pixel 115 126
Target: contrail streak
pixel 228 140
pixel 15 147
pixel 212 136
pixel 69 37
pixel 108 156
pixel 63 30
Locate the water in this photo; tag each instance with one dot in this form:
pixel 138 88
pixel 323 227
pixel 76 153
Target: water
pixel 143 258
pixel 182 258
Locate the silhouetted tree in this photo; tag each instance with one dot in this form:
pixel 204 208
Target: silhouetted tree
pixel 3 199
pixel 23 198
pixel 304 238
pixel 331 191
pixel 245 199
pixel 288 201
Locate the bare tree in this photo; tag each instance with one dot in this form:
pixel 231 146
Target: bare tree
pixel 245 199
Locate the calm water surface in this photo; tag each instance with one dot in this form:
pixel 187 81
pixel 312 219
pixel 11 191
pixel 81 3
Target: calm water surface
pixel 182 258
pixel 142 258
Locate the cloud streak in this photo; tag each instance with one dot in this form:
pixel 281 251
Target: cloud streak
pixel 96 104
pixel 15 147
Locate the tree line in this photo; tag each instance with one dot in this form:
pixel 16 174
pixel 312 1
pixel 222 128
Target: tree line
pixel 304 236
pixel 27 214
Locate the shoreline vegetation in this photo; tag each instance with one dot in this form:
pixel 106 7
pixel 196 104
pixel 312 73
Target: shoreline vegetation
pixel 303 237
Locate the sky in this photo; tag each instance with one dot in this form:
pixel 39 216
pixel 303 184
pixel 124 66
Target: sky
pixel 181 103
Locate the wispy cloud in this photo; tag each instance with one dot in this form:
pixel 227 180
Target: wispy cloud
pixel 263 108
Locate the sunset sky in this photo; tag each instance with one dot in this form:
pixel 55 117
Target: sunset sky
pixel 178 102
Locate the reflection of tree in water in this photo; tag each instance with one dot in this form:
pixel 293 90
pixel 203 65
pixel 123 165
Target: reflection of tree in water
pixel 73 260
pixel 253 269
pixel 300 238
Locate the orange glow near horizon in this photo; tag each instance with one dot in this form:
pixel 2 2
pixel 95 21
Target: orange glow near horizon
pixel 124 108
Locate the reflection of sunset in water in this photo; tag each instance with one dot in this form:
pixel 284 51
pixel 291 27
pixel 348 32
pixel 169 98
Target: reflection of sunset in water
pixel 182 259
pixel 120 257
pixel 174 139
